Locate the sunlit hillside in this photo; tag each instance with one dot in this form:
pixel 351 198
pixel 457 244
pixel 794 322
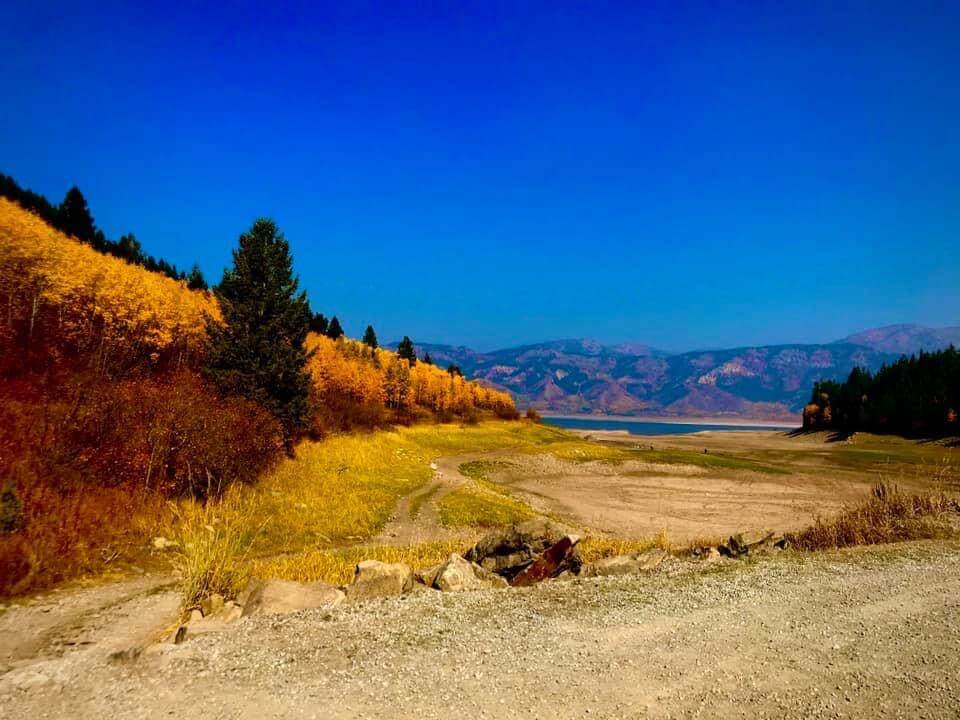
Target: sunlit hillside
pixel 64 293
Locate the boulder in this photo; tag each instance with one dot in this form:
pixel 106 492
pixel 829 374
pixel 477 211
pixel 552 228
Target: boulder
pixel 625 564
pixel 228 614
pixel 743 543
pixel 279 597
pixel 554 560
pixel 457 574
pixel 374 579
pixel 508 551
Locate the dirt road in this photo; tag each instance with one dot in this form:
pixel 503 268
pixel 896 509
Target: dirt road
pixel 853 634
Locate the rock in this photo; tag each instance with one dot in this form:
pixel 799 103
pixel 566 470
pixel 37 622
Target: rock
pixel 374 579
pixel 742 543
pixel 551 562
pixel 625 564
pixel 200 625
pixel 161 543
pixel 211 605
pixel 279 597
pixel 427 576
pixel 458 574
pixel 507 552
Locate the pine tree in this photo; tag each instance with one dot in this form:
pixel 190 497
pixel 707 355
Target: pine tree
pixel 370 338
pixel 74 216
pixel 319 324
pixel 406 351
pixel 454 370
pixel 196 280
pixel 427 360
pixel 258 351
pixel 334 331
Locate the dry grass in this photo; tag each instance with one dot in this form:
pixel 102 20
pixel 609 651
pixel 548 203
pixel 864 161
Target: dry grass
pixel 342 490
pixel 214 541
pixel 889 515
pixel 336 566
pixel 597 548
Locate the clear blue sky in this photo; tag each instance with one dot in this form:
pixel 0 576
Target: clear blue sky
pixel 493 173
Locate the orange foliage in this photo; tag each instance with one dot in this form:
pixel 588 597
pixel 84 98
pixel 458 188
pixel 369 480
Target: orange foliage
pixel 63 293
pixel 347 372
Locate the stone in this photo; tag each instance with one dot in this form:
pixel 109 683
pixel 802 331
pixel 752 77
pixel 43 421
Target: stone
pixel 508 551
pixel 427 576
pixel 625 564
pixel 458 574
pixel 211 605
pixel 280 597
pixel 551 562
pixel 742 543
pixel 374 579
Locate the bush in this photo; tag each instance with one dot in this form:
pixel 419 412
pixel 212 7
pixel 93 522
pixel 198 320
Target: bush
pixel 11 509
pixel 889 515
pixel 532 415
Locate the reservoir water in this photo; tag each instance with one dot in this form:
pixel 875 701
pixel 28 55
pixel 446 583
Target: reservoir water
pixel 650 427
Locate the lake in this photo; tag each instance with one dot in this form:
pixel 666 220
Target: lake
pixel 651 427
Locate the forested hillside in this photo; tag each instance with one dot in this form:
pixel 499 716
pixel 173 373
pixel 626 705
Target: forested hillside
pixel 120 387
pixel 919 395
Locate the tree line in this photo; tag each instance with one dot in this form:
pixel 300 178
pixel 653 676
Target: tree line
pixel 73 217
pixel 917 395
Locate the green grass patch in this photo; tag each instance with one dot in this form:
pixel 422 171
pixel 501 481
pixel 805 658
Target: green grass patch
pixel 481 507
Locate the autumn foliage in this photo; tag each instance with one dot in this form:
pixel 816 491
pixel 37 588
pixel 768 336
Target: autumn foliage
pixel 64 298
pixel 104 413
pixel 355 384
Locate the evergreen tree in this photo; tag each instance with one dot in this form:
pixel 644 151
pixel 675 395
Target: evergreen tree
pixel 370 338
pixel 196 280
pixel 406 351
pixel 319 324
pixel 454 370
pixel 75 218
pixel 334 331
pixel 427 360
pixel 258 351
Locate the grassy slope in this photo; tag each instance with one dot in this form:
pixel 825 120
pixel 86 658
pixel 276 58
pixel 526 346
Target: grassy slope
pixel 313 513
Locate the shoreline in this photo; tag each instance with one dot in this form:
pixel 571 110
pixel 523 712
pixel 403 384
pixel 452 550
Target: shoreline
pixel 719 422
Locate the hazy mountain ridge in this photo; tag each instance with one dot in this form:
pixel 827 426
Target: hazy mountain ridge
pixel 762 382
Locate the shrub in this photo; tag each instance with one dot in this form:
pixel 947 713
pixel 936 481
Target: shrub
pixel 11 509
pixel 889 515
pixel 532 415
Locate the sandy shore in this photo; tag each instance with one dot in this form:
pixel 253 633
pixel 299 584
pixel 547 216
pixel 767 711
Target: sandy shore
pixel 722 421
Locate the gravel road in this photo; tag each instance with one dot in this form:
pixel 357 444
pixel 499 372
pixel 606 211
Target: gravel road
pixel 864 633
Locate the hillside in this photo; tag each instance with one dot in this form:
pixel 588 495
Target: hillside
pixel 764 382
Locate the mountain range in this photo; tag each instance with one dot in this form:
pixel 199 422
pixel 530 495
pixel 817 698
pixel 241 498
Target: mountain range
pixel 768 382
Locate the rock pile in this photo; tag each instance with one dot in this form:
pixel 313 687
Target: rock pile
pixel 520 555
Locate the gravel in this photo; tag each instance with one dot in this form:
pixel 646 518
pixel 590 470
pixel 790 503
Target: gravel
pixel 850 634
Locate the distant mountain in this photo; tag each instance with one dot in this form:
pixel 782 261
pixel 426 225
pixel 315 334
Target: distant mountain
pixel 906 339
pixel 768 382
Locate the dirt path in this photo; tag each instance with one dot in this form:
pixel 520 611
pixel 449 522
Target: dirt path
pixel 73 627
pixel 854 634
pixel 416 518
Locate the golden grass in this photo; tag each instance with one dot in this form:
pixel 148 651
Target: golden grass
pixel 343 489
pixel 214 540
pixel 597 548
pixel 336 566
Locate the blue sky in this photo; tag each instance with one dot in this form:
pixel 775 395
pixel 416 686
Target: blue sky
pixel 495 173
